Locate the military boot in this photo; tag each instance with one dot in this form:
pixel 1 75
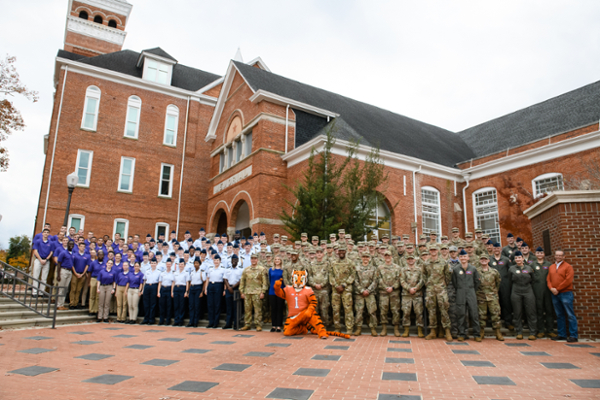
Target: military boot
pixel 448 335
pixel 478 338
pixel 357 331
pixel 259 329
pixel 420 332
pixel 337 330
pixel 245 328
pixel 383 330
pixel 406 330
pixel 440 332
pixel 397 330
pixel 373 331
pixel 540 335
pixel 499 335
pixel 482 333
pixel 432 334
pixel 520 337
pixel 552 335
pixel 531 337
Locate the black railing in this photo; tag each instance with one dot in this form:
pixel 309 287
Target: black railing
pixel 32 293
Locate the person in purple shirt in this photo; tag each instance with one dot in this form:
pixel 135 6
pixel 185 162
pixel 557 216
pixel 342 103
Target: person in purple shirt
pixel 97 266
pixel 91 254
pixel 65 263
pixel 134 287
pixel 105 289
pixel 81 264
pixel 100 245
pixel 42 253
pixel 59 247
pixel 122 279
pixel 118 262
pixel 38 236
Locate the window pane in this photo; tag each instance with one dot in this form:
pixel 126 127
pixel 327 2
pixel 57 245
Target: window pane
pixel 248 144
pixel 162 230
pixel 82 174
pixel 166 172
pixel 221 162
pixel 120 228
pixel 486 214
pixel 126 167
pixel 230 156
pixel 162 77
pixel 171 122
pixel 238 148
pixel 549 185
pixel 76 223
pixel 430 207
pixel 84 159
pixel 91 106
pixel 131 127
pixel 151 74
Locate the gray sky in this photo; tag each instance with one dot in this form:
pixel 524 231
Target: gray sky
pixel 453 64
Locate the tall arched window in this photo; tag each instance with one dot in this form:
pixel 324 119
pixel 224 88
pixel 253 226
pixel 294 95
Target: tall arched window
pixel 547 183
pixel 431 210
pixel 382 217
pixel 171 123
pixel 485 206
pixel 90 108
pixel 83 15
pixel 132 122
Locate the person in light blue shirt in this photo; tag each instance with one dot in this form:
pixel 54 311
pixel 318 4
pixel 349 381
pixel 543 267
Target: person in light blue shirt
pixel 150 291
pixel 197 278
pixel 165 304
pixel 180 290
pixel 214 290
pixel 232 281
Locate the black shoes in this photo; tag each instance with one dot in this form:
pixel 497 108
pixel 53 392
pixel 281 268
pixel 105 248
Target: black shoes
pixel 273 329
pixel 559 338
pixel 227 327
pixel 572 339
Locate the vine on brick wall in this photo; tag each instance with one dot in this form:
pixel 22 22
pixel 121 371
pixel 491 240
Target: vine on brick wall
pixel 518 199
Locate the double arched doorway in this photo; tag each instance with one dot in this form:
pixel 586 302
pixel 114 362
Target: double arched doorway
pixel 238 219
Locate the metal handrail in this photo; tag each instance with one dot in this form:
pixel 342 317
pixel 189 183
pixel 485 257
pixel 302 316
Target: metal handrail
pixel 20 286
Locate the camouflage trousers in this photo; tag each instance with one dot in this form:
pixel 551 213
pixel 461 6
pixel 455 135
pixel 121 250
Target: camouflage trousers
pixel 323 305
pixel 434 300
pixel 452 309
pixel 493 306
pixel 387 300
pixel 359 307
pixel 414 302
pixel 253 302
pixel 337 299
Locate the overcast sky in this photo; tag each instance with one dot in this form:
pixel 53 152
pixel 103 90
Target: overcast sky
pixel 453 64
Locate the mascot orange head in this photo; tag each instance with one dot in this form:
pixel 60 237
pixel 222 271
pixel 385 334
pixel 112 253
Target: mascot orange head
pixel 299 278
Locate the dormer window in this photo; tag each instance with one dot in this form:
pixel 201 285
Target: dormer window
pixel 157 71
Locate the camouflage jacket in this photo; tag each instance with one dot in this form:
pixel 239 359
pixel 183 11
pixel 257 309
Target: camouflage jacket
pixel 342 273
pixel 489 284
pixel 366 278
pixel 318 274
pixel 289 268
pixel 437 274
pixel 388 276
pixel 255 280
pixel 412 277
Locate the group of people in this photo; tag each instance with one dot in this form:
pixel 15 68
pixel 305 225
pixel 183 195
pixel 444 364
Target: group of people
pixel 450 281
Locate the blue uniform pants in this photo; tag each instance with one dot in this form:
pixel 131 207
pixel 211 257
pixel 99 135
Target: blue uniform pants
pixel 150 302
pixel 195 292
pixel 178 300
pixel 165 305
pixel 231 314
pixel 215 294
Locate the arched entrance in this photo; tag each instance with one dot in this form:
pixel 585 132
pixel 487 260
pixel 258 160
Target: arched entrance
pixel 220 222
pixel 242 219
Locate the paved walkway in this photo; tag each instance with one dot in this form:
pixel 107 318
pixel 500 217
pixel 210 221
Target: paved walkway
pixel 100 361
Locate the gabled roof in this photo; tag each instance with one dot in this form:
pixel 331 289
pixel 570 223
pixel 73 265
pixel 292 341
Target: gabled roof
pixel 125 62
pixel 372 125
pixel 159 52
pixel 564 113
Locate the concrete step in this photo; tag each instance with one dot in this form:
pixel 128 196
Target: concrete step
pixel 45 322
pixel 25 313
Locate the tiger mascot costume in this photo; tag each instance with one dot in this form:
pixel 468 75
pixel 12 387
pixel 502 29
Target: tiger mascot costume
pixel 302 306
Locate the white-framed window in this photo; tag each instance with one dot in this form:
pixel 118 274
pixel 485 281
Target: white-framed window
pixel 430 208
pixel 485 206
pixel 238 151
pixel 126 174
pixel 121 226
pixel 221 162
pixel 132 122
pixel 157 71
pixel 230 160
pixel 165 187
pixel 171 122
pixel 76 221
pixel 248 144
pixel 381 222
pixel 89 121
pixel 83 167
pixel 547 183
pixel 161 228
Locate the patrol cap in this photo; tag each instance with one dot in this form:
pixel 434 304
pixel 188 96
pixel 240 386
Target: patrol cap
pixel 263 242
pixel 263 251
pixel 410 256
pixel 342 248
pixel 253 255
pixel 387 253
pixel 350 242
pixel 433 233
pixel 484 256
pixel 315 238
pixel 365 254
pixel 453 248
pixel 324 241
pixel 276 235
pixel 497 244
pixel 372 243
pixel 510 235
pixel 485 236
pixel 348 236
pixel 329 245
pixel 462 253
pixel 422 237
pixel 312 251
pixel 469 244
pixel 292 252
pixel 436 248
pixel 297 242
pixel 478 230
pixel 382 247
pixel 336 245
pixel 385 236
pixel 539 249
pixel 342 231
pixel 275 246
pixel 518 253
pixel 405 236
pixel 319 250
pixel 455 229
pixel 332 235
pixel 235 257
pixel 283 237
pixel 468 234
pixel 400 244
pixel 422 245
pixel 304 235
pixel 425 253
pixel 410 246
pixel 444 237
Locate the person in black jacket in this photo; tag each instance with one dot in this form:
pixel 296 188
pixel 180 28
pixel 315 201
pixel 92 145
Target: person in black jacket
pixel 465 280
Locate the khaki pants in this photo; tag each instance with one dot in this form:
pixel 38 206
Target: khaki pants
pixel 63 285
pixel 40 272
pixel 121 303
pixel 93 295
pixel 76 286
pixel 104 298
pixel 133 299
pixel 85 289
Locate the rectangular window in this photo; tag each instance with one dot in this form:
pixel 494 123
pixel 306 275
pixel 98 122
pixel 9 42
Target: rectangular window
pixel 126 174
pixel 248 144
pixel 84 167
pixel 133 117
pixel 221 162
pixel 90 108
pixel 548 183
pixel 162 228
pixel 171 121
pixel 230 157
pixel 157 71
pixel 76 221
pixel 121 226
pixel 238 151
pixel 430 200
pixel 166 180
pixel 486 213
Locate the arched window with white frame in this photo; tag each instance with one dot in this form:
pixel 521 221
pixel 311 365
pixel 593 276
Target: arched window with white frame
pixel 380 221
pixel 132 121
pixel 547 183
pixel 89 121
pixel 171 122
pixel 431 210
pixel 485 207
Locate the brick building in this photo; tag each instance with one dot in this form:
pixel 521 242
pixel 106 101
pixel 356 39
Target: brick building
pixel 159 146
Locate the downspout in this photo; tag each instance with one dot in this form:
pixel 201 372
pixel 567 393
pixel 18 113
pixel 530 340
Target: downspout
pixel 287 111
pixel 415 202
pixel 467 176
pixel 187 115
pixel 62 94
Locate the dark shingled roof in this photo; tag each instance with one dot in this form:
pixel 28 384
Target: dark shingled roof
pixel 160 52
pixel 125 62
pixel 569 111
pixel 374 126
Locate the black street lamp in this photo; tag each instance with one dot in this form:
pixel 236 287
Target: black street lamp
pixel 72 180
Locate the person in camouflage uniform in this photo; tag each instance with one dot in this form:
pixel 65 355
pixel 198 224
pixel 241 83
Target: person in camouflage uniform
pixel 456 239
pixel 389 293
pixel 341 278
pixel 487 296
pixel 453 263
pixel 473 257
pixel 294 265
pixel 437 275
pixel 253 286
pixel 318 280
pixel 364 293
pixel 411 280
pixel 543 295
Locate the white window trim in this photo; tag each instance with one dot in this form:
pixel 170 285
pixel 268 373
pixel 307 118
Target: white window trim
pixel 159 224
pixel 159 63
pixel 126 233
pixel 82 217
pixel 162 165
pixel 542 177
pixel 174 111
pixel 135 102
pixel 439 206
pixel 89 174
pixel 91 92
pixel 475 207
pixel 121 175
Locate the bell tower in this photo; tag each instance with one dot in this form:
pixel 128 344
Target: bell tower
pixel 96 27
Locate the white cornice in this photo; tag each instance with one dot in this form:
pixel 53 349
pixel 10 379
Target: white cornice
pixel 95 30
pixel 261 95
pixel 573 196
pixel 154 57
pixel 537 155
pixel 116 6
pixel 260 63
pixel 133 81
pixel 210 86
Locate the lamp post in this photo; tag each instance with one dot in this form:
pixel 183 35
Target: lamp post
pixel 72 180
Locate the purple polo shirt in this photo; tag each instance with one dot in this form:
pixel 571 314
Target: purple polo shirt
pixel 123 278
pixel 43 248
pixel 57 249
pixel 135 280
pixel 80 262
pixel 96 267
pixel 65 259
pixel 106 277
